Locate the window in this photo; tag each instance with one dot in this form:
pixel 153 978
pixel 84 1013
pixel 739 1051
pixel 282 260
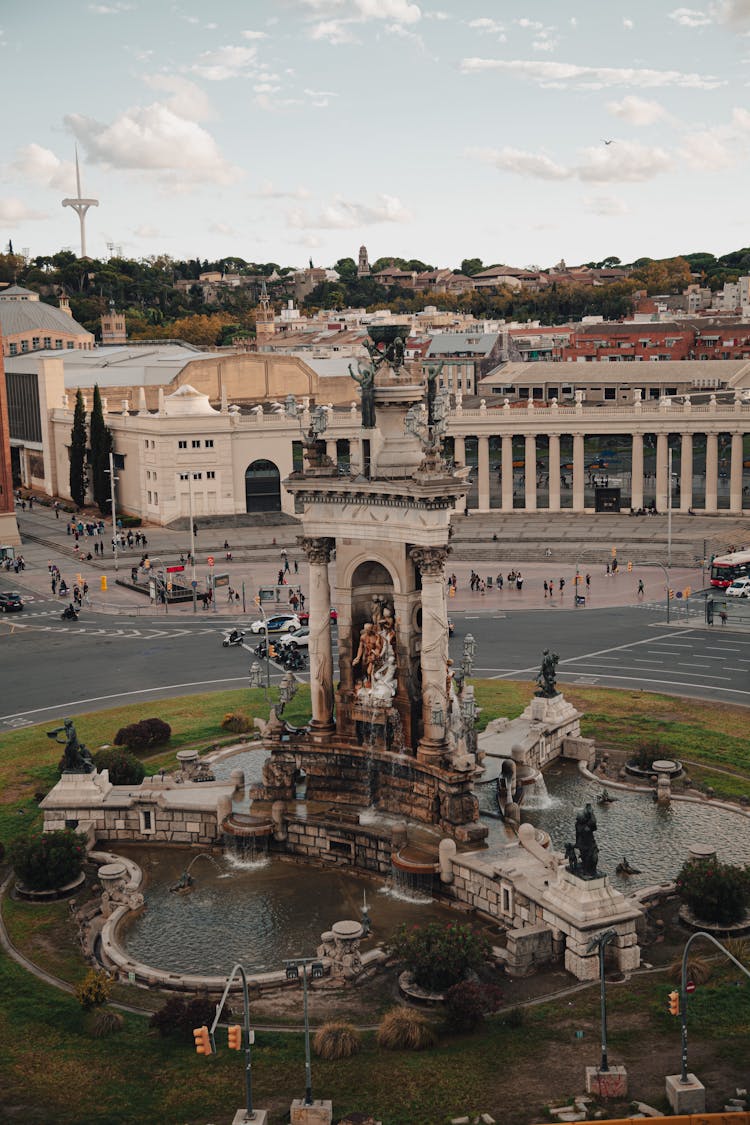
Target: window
pixel 146 443
pixel 182 445
pixel 70 345
pixel 210 475
pixel 148 474
pixel 14 349
pixel 156 498
pixel 196 444
pixel 153 476
pixel 35 342
pixel 209 443
pixel 197 476
pixel 149 497
pixel 523 392
pixel 58 345
pixel 24 345
pixel 610 392
pixel 147 821
pixel 48 341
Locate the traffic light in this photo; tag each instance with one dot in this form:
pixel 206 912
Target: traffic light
pixel 202 1041
pixel 103 582
pixel 234 1037
pixel 688 591
pixel 671 594
pixel 673 1001
pixel 272 650
pixel 630 565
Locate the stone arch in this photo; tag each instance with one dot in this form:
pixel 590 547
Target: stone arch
pixel 262 487
pixel 372 560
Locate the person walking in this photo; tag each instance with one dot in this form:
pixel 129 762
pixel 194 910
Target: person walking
pixel 641 588
pixel 562 586
pixel 588 582
pixel 296 566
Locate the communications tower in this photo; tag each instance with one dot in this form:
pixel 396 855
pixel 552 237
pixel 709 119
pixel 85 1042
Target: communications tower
pixel 80 206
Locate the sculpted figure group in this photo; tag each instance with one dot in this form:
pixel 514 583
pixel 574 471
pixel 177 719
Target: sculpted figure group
pixel 376 654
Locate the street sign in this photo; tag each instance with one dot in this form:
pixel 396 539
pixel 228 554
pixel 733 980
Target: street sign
pixel 221 580
pixel 194 584
pixel 690 986
pixel 174 569
pixel 210 560
pixel 678 594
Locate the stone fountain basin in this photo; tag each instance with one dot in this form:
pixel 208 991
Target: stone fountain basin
pixel 247 826
pixel 415 860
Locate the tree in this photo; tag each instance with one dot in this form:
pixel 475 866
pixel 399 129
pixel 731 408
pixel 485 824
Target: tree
pixel 346 268
pixel 48 860
pixel 471 266
pixel 78 477
pixel 101 447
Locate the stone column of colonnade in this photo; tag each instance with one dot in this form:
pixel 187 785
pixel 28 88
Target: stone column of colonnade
pixel 662 445
pixel 318 552
pixel 735 474
pixel 636 472
pixel 686 472
pixel 712 472
pixel 554 472
pixel 578 473
pixel 459 457
pixel 434 654
pixel 507 473
pixel 483 463
pixel 530 473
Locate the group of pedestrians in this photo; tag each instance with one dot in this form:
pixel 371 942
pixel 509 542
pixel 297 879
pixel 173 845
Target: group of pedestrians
pixel 17 564
pixel 60 588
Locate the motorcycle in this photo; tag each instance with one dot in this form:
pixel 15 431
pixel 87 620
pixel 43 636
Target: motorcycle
pixel 294 661
pixel 236 637
pixel 260 650
pixel 69 614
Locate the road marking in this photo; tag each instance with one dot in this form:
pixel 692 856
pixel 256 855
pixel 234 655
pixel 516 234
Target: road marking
pixel 599 652
pixel 674 683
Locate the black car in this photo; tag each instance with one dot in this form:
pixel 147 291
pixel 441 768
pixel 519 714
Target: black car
pixel 9 602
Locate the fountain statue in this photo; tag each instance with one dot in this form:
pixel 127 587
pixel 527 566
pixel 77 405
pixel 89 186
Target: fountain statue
pixel 547 676
pixel 583 856
pixel 76 758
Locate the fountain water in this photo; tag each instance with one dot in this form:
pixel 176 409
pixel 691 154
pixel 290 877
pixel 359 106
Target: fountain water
pixel 535 795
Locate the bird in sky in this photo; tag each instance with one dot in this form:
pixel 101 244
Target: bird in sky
pixel 608 142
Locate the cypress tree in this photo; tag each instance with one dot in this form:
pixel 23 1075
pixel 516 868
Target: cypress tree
pixel 101 447
pixel 78 477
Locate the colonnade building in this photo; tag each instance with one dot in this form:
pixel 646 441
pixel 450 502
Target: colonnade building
pixel 175 440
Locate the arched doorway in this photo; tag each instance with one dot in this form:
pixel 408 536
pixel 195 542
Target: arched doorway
pixel 262 487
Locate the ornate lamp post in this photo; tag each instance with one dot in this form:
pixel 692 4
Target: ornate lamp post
pixel 470 648
pixel 293 967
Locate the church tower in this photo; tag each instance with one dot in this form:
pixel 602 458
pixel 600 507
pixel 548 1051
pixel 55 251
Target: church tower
pixel 363 266
pixel 264 322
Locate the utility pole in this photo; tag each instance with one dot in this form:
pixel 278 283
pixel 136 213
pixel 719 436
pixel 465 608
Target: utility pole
pixel 669 507
pixel 112 479
pixel 194 581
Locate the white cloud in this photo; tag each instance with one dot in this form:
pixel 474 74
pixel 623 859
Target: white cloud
pixel 720 147
pixel 530 25
pixel 521 162
pixel 335 32
pixel 345 214
pixel 627 162
pixel 110 9
pixel 188 100
pixel 484 23
pixel 13 210
pixel 398 11
pixel 146 231
pixel 637 111
pixel 438 15
pixel 627 23
pixel 154 138
pixel 606 205
pixel 561 75
pixel 226 62
pixel 254 34
pixel 222 228
pixel 734 12
pixel 690 17
pixel 39 165
pixel 544 45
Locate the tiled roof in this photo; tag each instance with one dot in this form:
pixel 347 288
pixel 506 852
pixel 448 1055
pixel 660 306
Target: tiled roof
pixel 18 317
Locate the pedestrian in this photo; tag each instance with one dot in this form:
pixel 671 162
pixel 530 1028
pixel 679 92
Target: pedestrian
pixel 287 567
pixel 588 582
pixel 134 574
pixel 195 528
pixel 562 585
pixel 63 588
pixel 301 600
pixel 56 506
pixel 614 566
pixel 723 616
pixel 230 594
pixel 280 578
pixel 54 585
pixel 296 566
pixel 31 502
pixel 499 581
pixel 482 586
pixel 546 588
pixel 86 593
pixel 640 588
pixel 144 541
pixel 67 528
pixel 519 581
pixel 608 571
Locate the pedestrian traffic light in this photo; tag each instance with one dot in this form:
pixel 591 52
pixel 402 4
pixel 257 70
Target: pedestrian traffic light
pixel 103 582
pixel 202 1041
pixel 630 565
pixel 452 592
pixel 674 1003
pixel 671 594
pixel 234 1037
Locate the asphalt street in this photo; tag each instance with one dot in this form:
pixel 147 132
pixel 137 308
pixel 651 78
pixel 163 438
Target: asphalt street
pixel 50 668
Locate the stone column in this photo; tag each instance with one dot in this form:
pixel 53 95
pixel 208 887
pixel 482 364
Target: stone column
pixel 332 451
pixel 735 475
pixel 662 442
pixel 459 456
pixel 686 472
pixel 636 472
pixel 530 473
pixel 712 471
pixel 434 654
pixel 578 473
pixel 483 449
pixel 507 473
pixel 318 551
pixel 554 472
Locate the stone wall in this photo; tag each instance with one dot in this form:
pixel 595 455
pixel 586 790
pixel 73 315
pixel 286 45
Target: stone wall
pixel 341 846
pixel 126 823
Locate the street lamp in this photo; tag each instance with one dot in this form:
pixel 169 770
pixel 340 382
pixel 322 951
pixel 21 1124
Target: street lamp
pixel 189 478
pixel 600 942
pixel 316 973
pixel 112 481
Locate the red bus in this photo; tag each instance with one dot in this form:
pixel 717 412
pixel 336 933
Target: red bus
pixel 725 568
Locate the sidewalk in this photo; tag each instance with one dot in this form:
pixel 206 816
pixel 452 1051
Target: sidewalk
pixel 256 560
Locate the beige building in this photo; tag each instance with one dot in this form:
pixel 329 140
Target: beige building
pixel 29 325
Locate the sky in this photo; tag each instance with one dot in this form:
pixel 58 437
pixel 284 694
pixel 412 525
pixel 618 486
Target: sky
pixel 519 133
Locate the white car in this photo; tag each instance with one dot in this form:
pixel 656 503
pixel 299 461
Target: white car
pixel 300 639
pixel 740 588
pixel 277 623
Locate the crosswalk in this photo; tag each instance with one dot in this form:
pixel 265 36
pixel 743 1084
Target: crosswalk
pixel 77 629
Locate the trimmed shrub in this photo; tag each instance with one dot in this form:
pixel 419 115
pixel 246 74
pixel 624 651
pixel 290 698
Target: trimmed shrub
pixel 403 1029
pixel 468 1002
pixel 129 521
pixel 94 989
pixel 647 752
pixel 200 1011
pixel 439 956
pixel 236 722
pixel 698 969
pixel 170 1018
pixel 336 1040
pixel 143 735
pixel 106 1021
pixel 715 892
pixel 124 768
pixel 48 860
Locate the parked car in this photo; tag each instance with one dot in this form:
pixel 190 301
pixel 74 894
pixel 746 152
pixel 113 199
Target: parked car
pixel 304 616
pixel 740 588
pixel 300 639
pixel 277 623
pixel 10 601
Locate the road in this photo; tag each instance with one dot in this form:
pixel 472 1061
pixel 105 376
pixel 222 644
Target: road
pixel 51 668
